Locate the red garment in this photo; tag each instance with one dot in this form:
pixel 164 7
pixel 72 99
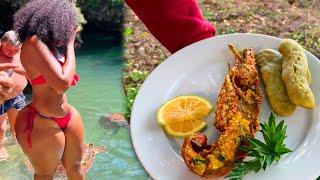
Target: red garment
pixel 175 23
pixel 29 118
pixel 39 80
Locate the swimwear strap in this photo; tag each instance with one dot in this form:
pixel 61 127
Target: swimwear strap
pixel 29 118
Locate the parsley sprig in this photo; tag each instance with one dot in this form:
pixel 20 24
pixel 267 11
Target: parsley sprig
pixel 265 153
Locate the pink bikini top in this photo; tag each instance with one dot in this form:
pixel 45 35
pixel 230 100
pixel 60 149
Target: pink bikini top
pixel 39 80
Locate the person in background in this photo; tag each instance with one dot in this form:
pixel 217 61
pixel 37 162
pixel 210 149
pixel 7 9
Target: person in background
pixel 15 100
pixel 49 130
pixel 175 23
pixel 10 53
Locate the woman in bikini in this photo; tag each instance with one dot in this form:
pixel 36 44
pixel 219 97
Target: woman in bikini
pixel 49 130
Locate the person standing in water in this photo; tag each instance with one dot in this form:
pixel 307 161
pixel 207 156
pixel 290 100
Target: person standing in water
pixel 14 100
pixel 49 130
pixel 9 53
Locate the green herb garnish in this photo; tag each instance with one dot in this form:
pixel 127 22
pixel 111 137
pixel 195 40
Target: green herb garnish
pixel 196 161
pixel 221 157
pixel 263 153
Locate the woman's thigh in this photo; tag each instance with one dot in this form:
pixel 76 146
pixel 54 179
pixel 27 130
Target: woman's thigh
pixel 47 143
pixel 74 134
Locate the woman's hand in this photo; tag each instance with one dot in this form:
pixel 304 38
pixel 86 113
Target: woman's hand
pixel 74 36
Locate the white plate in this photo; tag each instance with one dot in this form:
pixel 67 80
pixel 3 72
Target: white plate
pixel 200 69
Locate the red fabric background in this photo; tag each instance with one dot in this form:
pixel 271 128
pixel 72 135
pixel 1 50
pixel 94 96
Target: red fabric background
pixel 175 23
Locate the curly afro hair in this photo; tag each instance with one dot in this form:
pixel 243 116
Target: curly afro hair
pixel 53 21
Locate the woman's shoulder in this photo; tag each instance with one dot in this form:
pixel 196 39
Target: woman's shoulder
pixel 32 44
pixel 28 49
pixel 32 41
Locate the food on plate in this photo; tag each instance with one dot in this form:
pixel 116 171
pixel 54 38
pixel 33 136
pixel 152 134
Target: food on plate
pixel 296 74
pixel 270 66
pixel 236 115
pixel 262 154
pixel 183 115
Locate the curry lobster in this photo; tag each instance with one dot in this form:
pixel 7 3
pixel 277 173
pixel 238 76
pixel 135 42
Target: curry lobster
pixel 236 115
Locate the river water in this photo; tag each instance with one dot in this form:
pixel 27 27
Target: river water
pixel 99 92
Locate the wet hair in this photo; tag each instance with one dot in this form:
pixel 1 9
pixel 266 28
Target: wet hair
pixel 12 38
pixel 53 21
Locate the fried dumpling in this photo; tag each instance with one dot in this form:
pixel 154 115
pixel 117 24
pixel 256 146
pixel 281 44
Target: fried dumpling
pixel 270 66
pixel 296 74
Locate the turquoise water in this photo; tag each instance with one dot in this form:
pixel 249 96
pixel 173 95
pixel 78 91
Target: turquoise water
pixel 99 92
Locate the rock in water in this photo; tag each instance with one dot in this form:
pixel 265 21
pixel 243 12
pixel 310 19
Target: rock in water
pixel 89 154
pixel 113 121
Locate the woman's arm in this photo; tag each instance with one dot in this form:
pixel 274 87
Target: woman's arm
pixel 59 78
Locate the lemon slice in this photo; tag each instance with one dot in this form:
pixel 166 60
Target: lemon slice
pixel 183 115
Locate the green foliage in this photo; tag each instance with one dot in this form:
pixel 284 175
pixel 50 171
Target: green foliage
pixel 138 76
pixel 103 15
pixel 7 10
pixel 208 15
pixel 93 3
pixel 135 78
pixel 244 168
pixel 229 30
pixel 131 95
pixel 127 31
pixel 265 153
pixel 309 38
pixel 133 81
pixel 13 4
pixel 80 17
pixel 128 64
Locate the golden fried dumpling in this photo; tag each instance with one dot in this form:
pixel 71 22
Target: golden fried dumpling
pixel 270 66
pixel 296 74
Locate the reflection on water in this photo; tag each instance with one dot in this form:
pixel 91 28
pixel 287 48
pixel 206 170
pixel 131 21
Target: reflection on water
pixel 99 92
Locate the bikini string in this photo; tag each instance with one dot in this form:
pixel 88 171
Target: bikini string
pixel 76 78
pixel 29 124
